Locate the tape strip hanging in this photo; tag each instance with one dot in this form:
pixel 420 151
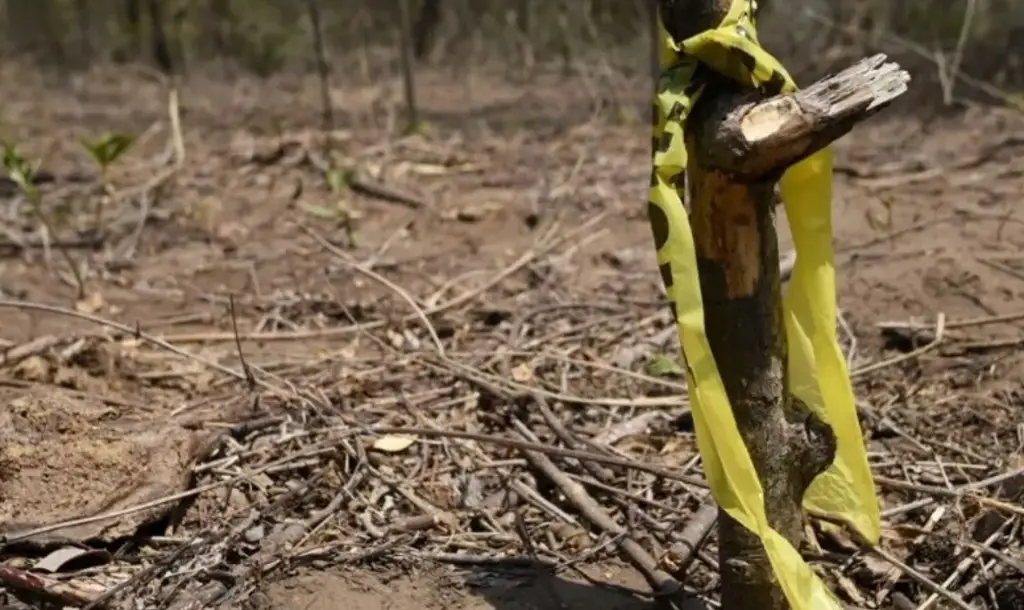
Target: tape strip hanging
pixel 816 368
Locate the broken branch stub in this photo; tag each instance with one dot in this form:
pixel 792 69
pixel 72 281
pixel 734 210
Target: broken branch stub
pixel 754 138
pixel 740 144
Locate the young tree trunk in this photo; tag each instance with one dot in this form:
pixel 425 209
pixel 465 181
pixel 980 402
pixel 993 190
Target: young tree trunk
pixel 731 177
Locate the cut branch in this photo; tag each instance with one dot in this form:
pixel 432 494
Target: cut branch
pixel 740 145
pixel 752 137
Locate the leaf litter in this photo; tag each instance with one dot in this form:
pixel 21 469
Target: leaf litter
pixel 482 386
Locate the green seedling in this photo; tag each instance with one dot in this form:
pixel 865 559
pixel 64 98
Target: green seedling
pixel 626 115
pixel 22 174
pixel 338 181
pixel 105 151
pixel 419 127
pixel 661 365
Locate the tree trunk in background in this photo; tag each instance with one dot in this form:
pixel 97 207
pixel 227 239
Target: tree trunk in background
pixel 19 15
pixel 425 28
pixel 131 16
pixel 524 23
pixel 408 65
pixel 179 18
pixel 322 67
pixel 34 29
pixel 223 18
pixel 84 18
pixel 74 33
pixel 161 48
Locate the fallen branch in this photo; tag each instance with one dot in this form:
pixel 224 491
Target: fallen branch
pixel 660 581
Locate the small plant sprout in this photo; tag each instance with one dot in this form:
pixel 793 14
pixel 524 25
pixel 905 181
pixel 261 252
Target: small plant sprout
pixel 105 151
pixel 22 174
pixel 338 181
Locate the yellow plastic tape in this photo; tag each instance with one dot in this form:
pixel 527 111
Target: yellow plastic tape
pixel 817 370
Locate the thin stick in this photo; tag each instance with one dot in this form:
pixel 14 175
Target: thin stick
pixel 607 460
pixel 893 576
pixel 963 566
pixel 373 275
pixel 926 582
pixel 249 377
pixel 178 141
pixel 659 580
pixel 524 260
pixel 135 332
pixel 940 329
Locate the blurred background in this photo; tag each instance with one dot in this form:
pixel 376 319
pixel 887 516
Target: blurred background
pixel 978 41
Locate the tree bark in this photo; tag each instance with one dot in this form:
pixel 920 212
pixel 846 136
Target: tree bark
pixel 654 52
pixel 740 144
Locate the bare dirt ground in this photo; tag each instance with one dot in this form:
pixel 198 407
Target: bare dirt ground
pixel 198 422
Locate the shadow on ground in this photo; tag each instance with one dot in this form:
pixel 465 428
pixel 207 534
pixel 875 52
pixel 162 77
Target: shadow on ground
pixel 436 587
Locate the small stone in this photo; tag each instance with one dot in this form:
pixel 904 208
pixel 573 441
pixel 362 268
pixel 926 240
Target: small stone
pixel 255 534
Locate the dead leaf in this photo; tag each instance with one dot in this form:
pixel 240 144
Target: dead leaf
pixel 879 216
pixel 1013 488
pixel 70 558
pixel 871 571
pixel 35 368
pixel 393 443
pixel 206 213
pixel 522 373
pixel 573 536
pixel 851 590
pixel 838 536
pixel 91 303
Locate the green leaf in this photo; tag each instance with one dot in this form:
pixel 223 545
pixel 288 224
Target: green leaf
pixel 20 171
pixel 322 211
pixel 418 128
pixel 661 365
pixel 336 180
pixel 354 237
pixel 106 149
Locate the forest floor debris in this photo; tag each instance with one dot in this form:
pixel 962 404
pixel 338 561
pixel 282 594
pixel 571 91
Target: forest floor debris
pixel 285 391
